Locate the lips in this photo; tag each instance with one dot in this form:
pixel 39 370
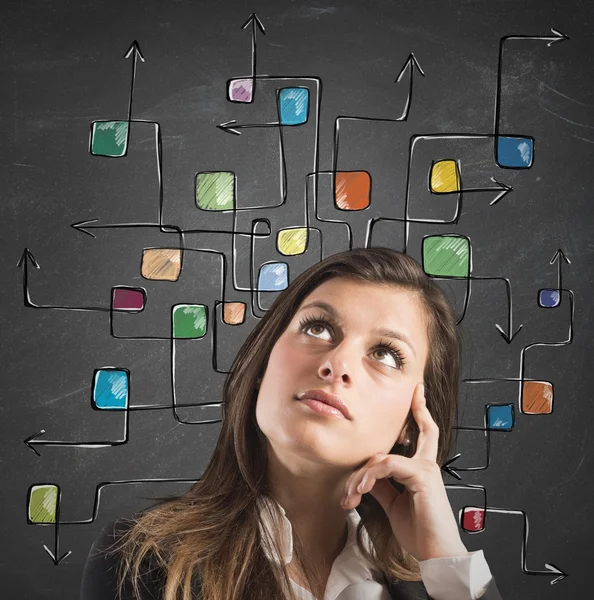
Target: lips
pixel 326 398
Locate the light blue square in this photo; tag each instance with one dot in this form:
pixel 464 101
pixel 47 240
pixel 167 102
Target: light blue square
pixel 273 277
pixel 293 106
pixel 111 388
pixel 500 417
pixel 515 152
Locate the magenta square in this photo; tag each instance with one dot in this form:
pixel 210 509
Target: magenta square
pixel 128 298
pixel 241 90
pixel 473 519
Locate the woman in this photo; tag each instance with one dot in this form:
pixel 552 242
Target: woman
pixel 301 500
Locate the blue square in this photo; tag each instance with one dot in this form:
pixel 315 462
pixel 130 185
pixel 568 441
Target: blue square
pixel 515 152
pixel 273 277
pixel 549 298
pixel 111 388
pixel 293 106
pixel 500 417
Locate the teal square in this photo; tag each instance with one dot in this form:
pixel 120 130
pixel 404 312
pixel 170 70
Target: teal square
pixel 109 138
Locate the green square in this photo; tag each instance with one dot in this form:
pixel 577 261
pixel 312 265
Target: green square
pixel 43 503
pixel 446 255
pixel 189 321
pixel 215 190
pixel 109 138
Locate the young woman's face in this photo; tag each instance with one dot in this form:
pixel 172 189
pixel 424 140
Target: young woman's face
pixel 341 352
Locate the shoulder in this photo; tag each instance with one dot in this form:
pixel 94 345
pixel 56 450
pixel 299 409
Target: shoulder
pixel 100 574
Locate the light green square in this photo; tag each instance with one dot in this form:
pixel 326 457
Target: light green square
pixel 446 256
pixel 215 190
pixel 189 321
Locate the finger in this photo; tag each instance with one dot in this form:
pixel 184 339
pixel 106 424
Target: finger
pixel 427 443
pixel 404 470
pixel 350 488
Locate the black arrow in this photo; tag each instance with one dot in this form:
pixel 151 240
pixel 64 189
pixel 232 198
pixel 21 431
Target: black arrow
pixel 410 64
pixel 255 22
pixel 556 258
pixel 134 49
pixel 446 467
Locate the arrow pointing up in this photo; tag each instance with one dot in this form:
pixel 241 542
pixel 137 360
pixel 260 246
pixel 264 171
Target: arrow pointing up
pixel 410 64
pixel 134 49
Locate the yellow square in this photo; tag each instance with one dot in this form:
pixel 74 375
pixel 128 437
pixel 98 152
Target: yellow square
pixel 445 177
pixel 291 242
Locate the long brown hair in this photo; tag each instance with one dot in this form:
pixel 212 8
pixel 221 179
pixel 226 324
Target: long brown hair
pixel 209 537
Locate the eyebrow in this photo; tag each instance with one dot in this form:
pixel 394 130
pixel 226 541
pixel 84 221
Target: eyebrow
pixel 383 331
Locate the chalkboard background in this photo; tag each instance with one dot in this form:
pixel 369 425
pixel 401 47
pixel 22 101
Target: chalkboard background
pixel 63 68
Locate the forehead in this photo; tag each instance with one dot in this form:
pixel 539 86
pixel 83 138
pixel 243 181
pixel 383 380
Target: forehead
pixel 365 302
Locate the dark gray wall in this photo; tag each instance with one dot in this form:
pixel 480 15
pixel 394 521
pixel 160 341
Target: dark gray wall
pixel 63 68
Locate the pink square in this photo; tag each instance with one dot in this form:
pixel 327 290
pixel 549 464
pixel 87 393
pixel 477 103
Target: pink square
pixel 241 90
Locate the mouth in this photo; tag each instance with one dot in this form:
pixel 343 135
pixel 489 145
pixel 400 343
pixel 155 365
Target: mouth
pixel 325 403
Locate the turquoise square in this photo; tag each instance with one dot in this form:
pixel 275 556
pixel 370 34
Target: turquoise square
pixel 111 389
pixel 293 106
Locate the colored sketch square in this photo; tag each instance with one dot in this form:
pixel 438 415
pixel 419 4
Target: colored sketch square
pixel 273 277
pixel 473 519
pixel 109 138
pixel 43 503
pixel 292 242
pixel 537 397
pixel 161 264
pixel 234 313
pixel 293 106
pixel 549 298
pixel 111 388
pixel 500 417
pixel 446 256
pixel 215 190
pixel 353 190
pixel 445 177
pixel 515 152
pixel 240 90
pixel 127 299
pixel 189 321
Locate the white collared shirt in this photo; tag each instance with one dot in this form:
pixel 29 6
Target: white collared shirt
pixel 352 577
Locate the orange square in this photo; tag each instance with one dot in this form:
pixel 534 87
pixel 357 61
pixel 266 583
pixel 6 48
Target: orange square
pixel 537 397
pixel 234 313
pixel 353 190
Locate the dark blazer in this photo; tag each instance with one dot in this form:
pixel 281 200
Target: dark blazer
pixel 99 581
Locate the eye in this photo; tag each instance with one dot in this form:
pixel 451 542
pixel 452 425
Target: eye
pixel 396 359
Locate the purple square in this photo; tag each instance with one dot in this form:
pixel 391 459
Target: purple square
pixel 127 299
pixel 241 90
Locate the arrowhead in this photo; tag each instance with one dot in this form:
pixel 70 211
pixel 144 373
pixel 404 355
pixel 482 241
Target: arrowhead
pixel 226 127
pixel 253 18
pixel 506 189
pixel 30 441
pixel 59 560
pixel 136 49
pixel 562 255
pixel 561 37
pixel 79 226
pixel 556 570
pixel 410 62
pixel 27 255
pixel 447 469
pixel 505 336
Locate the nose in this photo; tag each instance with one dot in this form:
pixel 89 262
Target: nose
pixel 337 365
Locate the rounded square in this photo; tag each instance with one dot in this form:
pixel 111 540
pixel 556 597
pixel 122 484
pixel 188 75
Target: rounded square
pixel 515 152
pixel 473 519
pixel 109 138
pixel 273 277
pixel 42 506
pixel 127 299
pixel 111 389
pixel 215 190
pixel 353 190
pixel 537 397
pixel 446 256
pixel 445 177
pixel 292 241
pixel 240 90
pixel 234 313
pixel 549 298
pixel 189 321
pixel 161 264
pixel 500 417
pixel 293 105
